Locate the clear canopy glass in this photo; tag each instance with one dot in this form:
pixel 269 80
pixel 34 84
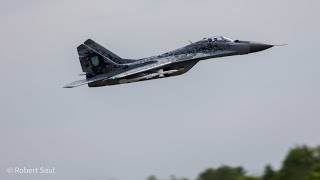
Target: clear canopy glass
pixel 217 38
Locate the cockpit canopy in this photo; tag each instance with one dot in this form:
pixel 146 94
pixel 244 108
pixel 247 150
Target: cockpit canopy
pixel 217 39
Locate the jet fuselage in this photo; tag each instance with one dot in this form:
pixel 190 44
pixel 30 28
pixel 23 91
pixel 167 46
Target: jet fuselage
pixel 102 67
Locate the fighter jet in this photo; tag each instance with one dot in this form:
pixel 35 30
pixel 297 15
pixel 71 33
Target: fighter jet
pixel 102 67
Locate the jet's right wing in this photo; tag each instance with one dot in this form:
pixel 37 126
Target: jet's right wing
pixel 117 76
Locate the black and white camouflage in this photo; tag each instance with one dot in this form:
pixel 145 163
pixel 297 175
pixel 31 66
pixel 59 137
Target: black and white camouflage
pixel 102 67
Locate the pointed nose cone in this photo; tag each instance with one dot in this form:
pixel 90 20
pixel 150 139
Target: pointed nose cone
pixel 256 47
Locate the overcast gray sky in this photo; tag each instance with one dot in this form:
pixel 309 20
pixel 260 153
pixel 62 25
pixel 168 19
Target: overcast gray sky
pixel 241 110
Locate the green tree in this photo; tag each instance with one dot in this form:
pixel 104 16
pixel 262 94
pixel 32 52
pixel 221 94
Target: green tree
pixel 268 173
pixel 152 177
pixel 315 173
pixel 248 178
pixel 298 164
pixel 173 177
pixel 222 173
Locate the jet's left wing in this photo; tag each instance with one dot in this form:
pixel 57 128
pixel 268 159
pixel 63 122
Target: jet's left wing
pixel 87 81
pixel 117 76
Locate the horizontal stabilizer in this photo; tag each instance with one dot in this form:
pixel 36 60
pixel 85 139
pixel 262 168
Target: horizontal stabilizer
pixel 87 81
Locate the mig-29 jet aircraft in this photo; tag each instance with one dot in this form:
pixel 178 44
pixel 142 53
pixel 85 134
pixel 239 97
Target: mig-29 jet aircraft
pixel 103 68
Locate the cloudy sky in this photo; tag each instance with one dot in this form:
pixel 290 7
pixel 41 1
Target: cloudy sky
pixel 241 110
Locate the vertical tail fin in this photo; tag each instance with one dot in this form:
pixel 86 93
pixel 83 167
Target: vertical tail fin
pixel 93 63
pixel 105 52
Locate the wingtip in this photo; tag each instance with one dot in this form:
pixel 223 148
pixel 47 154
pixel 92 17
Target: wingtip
pixel 71 85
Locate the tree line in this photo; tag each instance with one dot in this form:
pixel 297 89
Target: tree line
pixel 300 163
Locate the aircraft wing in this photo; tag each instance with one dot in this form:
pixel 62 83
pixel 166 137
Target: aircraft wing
pixel 140 69
pixel 87 81
pixel 117 76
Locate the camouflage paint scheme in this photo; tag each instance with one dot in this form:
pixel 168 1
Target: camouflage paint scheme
pixel 102 67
